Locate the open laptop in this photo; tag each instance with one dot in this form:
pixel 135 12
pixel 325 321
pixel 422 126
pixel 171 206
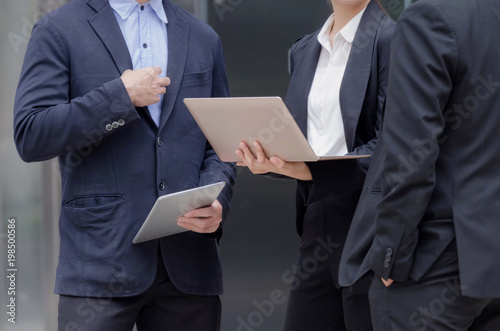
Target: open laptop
pixel 162 219
pixel 228 121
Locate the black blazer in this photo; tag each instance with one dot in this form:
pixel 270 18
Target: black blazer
pixel 435 175
pixel 362 94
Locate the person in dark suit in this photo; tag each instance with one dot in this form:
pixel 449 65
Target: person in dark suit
pixel 94 93
pixel 336 92
pixel 427 223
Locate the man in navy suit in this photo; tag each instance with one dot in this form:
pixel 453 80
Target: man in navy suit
pixel 102 89
pixel 427 224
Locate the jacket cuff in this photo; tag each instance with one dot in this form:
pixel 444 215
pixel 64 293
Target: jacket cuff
pixel 121 106
pixel 389 263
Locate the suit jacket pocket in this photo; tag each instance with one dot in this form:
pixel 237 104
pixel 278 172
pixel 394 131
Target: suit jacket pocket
pixel 95 230
pixel 195 78
pixel 93 200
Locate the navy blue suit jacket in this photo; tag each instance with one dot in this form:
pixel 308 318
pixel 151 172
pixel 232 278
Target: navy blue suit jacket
pixel 362 95
pixel 115 162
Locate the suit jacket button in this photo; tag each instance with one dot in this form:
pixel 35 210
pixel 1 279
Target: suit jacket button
pixel 386 264
pixel 161 185
pixel 388 258
pixel 121 122
pixel 115 125
pixel 109 127
pixel 159 141
pixel 389 251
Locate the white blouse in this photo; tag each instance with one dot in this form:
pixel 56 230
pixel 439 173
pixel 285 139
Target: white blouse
pixel 325 128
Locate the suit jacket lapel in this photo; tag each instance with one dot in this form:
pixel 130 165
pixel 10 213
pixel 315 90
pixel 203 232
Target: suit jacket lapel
pixel 177 52
pixel 357 72
pixel 305 78
pixel 105 25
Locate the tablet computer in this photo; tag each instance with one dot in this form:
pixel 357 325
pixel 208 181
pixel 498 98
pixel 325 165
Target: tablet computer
pixel 162 219
pixel 228 121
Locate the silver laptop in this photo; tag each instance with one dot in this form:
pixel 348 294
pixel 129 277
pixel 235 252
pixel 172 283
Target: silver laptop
pixel 228 121
pixel 162 219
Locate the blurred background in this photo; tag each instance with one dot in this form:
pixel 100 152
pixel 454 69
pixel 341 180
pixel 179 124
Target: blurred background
pixel 260 243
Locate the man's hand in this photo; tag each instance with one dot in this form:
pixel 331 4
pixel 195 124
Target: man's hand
pixel 144 85
pixel 388 282
pixel 203 220
pixel 260 164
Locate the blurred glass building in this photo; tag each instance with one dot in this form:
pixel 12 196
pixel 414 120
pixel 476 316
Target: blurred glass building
pixel 260 244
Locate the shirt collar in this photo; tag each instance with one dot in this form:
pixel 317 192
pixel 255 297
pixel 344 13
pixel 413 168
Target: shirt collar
pixel 157 6
pixel 125 7
pixel 348 32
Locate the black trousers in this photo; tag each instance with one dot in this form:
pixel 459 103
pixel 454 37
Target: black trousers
pixel 316 301
pixel 161 308
pixel 433 303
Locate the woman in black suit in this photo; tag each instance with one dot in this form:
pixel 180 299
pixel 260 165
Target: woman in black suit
pixel 336 94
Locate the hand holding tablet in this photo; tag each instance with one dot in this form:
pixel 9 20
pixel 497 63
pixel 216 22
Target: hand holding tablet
pixel 162 219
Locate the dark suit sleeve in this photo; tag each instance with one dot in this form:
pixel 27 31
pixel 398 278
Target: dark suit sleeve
pixel 214 170
pixel 344 176
pixel 423 62
pixel 47 122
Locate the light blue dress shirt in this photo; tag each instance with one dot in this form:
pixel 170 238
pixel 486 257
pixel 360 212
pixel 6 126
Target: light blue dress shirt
pixel 144 28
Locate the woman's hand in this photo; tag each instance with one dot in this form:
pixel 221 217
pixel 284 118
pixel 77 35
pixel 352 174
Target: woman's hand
pixel 260 164
pixel 387 282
